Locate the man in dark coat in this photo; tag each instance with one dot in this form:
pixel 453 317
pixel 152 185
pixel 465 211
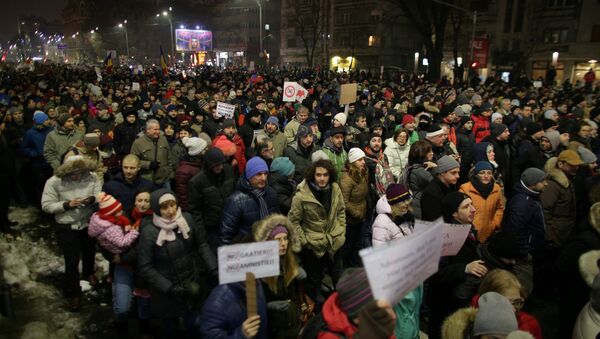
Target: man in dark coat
pixel 125 184
pixel 301 151
pixel 446 175
pixel 126 133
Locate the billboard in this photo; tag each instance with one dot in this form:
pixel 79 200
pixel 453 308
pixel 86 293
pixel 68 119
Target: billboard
pixel 193 40
pixel 480 52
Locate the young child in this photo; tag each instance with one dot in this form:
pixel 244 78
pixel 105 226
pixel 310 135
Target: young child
pixel 112 229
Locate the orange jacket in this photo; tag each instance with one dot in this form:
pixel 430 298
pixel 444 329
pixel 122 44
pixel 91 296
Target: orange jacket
pixel 488 212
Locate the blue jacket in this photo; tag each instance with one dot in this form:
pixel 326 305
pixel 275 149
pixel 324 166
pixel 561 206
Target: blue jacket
pixel 32 145
pixel 526 218
pixel 225 310
pixel 242 209
pixel 125 192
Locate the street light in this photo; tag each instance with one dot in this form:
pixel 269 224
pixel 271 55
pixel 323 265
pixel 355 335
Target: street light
pixel 166 15
pixel 260 24
pixel 124 26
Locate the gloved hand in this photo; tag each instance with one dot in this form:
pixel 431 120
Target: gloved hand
pixel 153 165
pixel 301 274
pixel 177 291
pixel 279 305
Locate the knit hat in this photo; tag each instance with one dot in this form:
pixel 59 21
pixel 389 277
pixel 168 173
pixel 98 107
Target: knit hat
pixel 464 120
pixel 482 166
pixel 497 129
pixel 91 140
pixel 226 146
pixel 486 106
pixel 474 98
pixel 354 291
pixel 108 205
pixel 341 117
pixel 283 166
pixel 39 117
pixel 444 164
pixel 278 230
pixel 355 154
pixel 550 113
pixel 255 166
pixel 506 244
pixel 532 176
pixel 318 155
pixel 194 145
pixel 396 193
pixel 434 130
pixel 227 123
pixel 303 131
pixel 62 118
pixel 337 130
pixel 407 119
pixel 570 157
pixel 466 108
pixel 587 156
pixel 450 204
pixel 213 157
pixel 159 196
pixel 547 124
pixel 554 137
pixel 519 335
pixel 532 128
pixel 495 316
pixel 273 120
pixel 496 115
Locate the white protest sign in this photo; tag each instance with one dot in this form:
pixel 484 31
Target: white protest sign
pixel 225 110
pixel 537 84
pixel 135 86
pixel 98 73
pixel 398 267
pixel 453 235
pixel 292 91
pixel 259 258
pixel 301 93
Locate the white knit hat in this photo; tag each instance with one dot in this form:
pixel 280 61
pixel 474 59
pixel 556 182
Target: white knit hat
pixel 341 117
pixel 194 145
pixel 355 154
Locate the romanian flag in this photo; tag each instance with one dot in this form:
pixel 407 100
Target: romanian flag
pixel 108 64
pixel 163 62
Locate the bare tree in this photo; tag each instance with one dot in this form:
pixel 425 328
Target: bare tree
pixel 309 26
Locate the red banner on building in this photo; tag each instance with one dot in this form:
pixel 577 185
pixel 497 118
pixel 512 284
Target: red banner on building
pixel 480 52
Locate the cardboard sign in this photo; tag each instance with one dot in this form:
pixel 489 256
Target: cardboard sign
pixel 348 93
pixel 398 267
pixel 259 258
pixel 225 110
pixel 292 91
pixel 453 235
pixel 135 86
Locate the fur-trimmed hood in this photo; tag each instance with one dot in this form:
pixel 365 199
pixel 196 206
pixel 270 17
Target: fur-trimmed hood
pixel 262 228
pixel 459 325
pixel 588 266
pixel 594 217
pixel 74 164
pixel 555 173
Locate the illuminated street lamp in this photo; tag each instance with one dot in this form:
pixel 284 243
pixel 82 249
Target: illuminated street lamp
pixel 124 26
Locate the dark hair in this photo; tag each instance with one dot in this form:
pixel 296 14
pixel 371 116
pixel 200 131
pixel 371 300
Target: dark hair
pixel 418 152
pixel 359 115
pixel 261 145
pixel 326 164
pixel 400 130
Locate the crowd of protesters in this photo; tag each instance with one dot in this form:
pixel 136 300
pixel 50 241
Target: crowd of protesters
pixel 143 169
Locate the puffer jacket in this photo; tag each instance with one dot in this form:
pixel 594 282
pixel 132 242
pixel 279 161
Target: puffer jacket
pixel 242 209
pixel 318 230
pixel 58 142
pixel 110 236
pixel 384 228
pixel 355 197
pixel 526 218
pixel 418 179
pixel 488 212
pixel 225 310
pixel 185 171
pixel 397 156
pixel 149 150
pixel 558 201
pixel 481 127
pixel 32 145
pixel 300 159
pixel 60 189
pixel 587 324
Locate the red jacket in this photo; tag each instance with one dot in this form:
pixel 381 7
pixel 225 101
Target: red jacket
pixel 481 127
pixel 526 321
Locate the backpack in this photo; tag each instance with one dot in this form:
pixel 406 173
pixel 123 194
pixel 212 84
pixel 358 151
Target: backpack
pixel 383 177
pixel 405 175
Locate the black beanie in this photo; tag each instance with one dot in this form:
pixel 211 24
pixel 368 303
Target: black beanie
pixel 533 128
pixel 450 204
pixel 213 157
pixel 497 129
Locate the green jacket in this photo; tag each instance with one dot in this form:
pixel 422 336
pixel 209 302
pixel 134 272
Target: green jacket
pixel 318 231
pixel 58 142
pixel 338 159
pixel 407 314
pixel 149 150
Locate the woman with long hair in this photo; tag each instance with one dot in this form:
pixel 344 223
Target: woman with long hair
pixel 397 150
pixel 418 172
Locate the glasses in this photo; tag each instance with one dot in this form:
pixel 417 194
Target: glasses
pixel 517 303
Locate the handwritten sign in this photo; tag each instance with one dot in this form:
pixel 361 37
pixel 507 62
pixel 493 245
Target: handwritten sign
pixel 225 110
pixel 135 86
pixel 259 258
pixel 348 93
pixel 453 235
pixel 398 267
pixel 292 91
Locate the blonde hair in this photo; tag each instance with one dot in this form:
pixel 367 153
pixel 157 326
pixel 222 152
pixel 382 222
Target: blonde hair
pixel 500 281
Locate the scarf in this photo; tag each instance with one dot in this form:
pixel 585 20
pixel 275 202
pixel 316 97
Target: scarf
pixel 482 188
pixel 121 220
pixel 168 227
pixel 259 194
pixel 137 216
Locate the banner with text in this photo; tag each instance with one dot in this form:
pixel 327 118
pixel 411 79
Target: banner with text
pixel 453 235
pixel 225 110
pixel 259 258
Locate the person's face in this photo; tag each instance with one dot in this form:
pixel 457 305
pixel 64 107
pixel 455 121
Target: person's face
pixel 337 123
pixel 465 212
pixel 69 124
pixel 268 152
pixel 270 128
pixel 168 210
pixel 438 140
pixel 506 105
pixel 497 121
pixel 142 201
pixel 504 135
pixel 153 131
pixel 283 243
pixel 567 168
pixel 183 134
pixel 307 141
pixel 51 113
pixel 130 169
pixel 18 116
pixel 491 155
pixel 554 117
pixel 360 163
pixel 321 177
pixel 485 176
pixel 401 208
pixel 361 122
pixel 131 119
pixel 452 118
pixel 585 132
pixel 477 102
pixel 562 107
pixel 526 111
pixel 486 113
pixel 450 177
pixel 259 181
pixel 564 139
pixel 402 139
pixel 545 144
pixel 255 119
pixel 302 116
pixel 229 131
pixel 375 144
pixel 410 126
pixel 169 130
pixel 513 294
pixel 172 113
pixel 540 186
pixel 337 140
pixel 146 106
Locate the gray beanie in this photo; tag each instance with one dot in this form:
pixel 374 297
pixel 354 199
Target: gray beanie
pixel 586 155
pixel 318 155
pixel 532 176
pixel 495 316
pixel 444 164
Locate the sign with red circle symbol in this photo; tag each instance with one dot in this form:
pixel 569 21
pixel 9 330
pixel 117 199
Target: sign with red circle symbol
pixel 289 92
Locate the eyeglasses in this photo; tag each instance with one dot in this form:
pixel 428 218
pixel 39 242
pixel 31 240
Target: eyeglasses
pixel 517 303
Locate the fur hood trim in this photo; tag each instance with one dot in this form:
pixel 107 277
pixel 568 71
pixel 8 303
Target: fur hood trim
pixel 459 324
pixel 74 165
pixel 588 266
pixel 262 228
pixel 594 217
pixel 555 173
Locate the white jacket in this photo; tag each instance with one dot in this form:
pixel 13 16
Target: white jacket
pixel 587 324
pixel 384 228
pixel 397 156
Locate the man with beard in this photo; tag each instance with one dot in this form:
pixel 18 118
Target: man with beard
pixel 334 148
pixel 292 126
pixel 104 121
pixel 301 150
pixel 437 137
pixel 144 112
pixel 229 132
pixel 60 139
pixel 272 133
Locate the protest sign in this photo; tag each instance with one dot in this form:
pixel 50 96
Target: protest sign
pixel 225 110
pixel 98 73
pixel 292 91
pixel 398 267
pixel 348 93
pixel 453 235
pixel 259 258
pixel 135 86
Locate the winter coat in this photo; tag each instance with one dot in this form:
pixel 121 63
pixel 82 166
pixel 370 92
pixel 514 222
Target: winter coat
pixel 300 159
pixel 173 262
pixel 384 228
pixel 397 156
pixel 149 150
pixel 285 191
pixel 60 189
pixel 225 310
pixel 240 151
pixel 124 136
pixel 355 197
pixel 587 324
pixel 32 145
pixel 525 217
pixel 242 209
pixel 124 191
pixel 185 171
pixel 279 142
pixel 431 199
pixel 93 155
pixel 291 129
pixel 459 324
pixel 488 212
pixel 338 158
pixel 110 236
pixel 178 153
pixel 319 231
pixel 529 155
pixel 465 140
pixel 58 142
pixel 558 201
pixel 418 179
pixel 502 151
pixel 481 127
pixel 207 194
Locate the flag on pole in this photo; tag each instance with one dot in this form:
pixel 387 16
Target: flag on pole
pixel 163 62
pixel 108 64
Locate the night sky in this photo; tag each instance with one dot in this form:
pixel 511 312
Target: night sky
pixel 11 10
